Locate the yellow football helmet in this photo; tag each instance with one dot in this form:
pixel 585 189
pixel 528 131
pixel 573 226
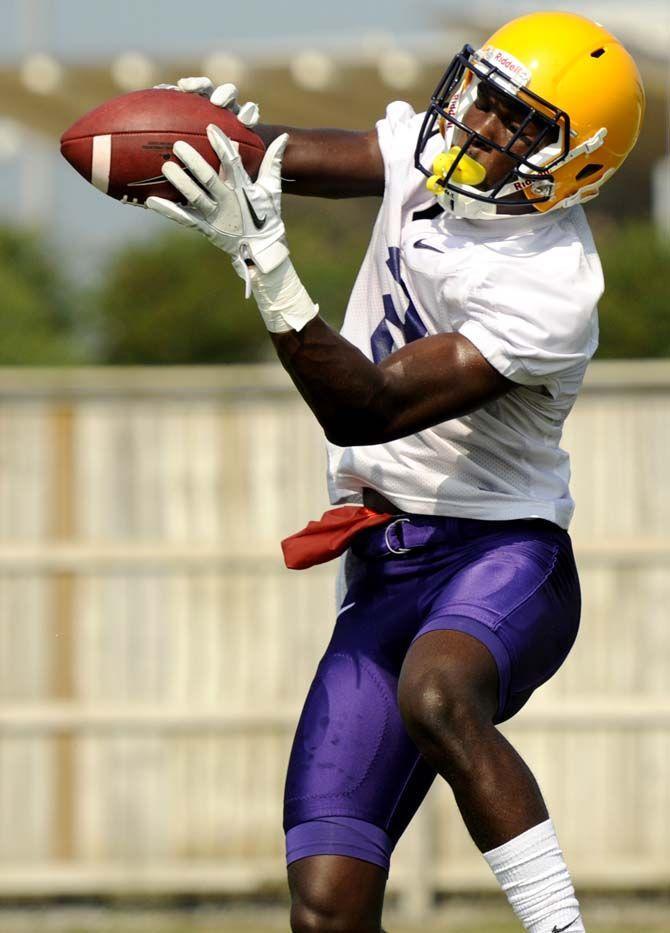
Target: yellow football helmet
pixel 570 76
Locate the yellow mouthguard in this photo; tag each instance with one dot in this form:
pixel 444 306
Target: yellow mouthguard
pixel 468 172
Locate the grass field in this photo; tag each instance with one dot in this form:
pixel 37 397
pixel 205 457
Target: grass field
pixel 225 928
pixel 237 927
pixel 602 917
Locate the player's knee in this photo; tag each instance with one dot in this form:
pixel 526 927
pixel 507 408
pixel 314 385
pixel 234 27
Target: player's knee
pixel 329 918
pixel 440 715
pixel 336 895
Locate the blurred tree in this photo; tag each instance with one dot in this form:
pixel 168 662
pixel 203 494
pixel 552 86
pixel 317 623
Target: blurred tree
pixel 635 309
pixel 328 241
pixel 176 300
pixel 38 309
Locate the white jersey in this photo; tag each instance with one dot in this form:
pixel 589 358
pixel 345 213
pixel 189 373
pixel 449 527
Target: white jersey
pixel 524 291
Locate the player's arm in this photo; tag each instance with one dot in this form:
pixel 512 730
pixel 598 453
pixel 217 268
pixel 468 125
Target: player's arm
pixel 358 402
pixel 329 163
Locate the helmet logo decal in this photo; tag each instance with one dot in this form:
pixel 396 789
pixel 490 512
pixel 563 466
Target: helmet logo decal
pixel 507 64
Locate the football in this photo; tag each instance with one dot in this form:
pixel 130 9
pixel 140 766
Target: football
pixel 121 145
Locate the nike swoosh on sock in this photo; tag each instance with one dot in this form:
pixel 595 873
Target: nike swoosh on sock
pixel 560 929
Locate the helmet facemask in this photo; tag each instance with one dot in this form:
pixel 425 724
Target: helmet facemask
pixel 530 169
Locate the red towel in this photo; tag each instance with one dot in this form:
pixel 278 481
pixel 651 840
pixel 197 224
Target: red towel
pixel 329 537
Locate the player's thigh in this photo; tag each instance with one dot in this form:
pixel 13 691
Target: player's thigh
pixel 519 596
pixel 352 759
pixel 351 755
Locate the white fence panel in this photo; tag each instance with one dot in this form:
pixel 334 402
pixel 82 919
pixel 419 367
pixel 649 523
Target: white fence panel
pixel 154 653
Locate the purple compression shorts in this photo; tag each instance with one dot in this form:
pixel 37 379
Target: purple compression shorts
pixel 355 778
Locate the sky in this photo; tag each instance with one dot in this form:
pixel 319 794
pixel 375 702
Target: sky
pixel 84 30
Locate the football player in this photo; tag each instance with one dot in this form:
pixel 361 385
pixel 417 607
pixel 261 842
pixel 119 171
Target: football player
pixel 443 399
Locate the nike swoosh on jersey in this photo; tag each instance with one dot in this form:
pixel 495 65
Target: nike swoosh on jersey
pixel 560 929
pixel 344 609
pixel 258 222
pixel 421 245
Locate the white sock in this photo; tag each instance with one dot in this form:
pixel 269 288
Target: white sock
pixel 532 872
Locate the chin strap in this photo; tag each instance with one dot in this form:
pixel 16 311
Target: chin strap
pixel 589 145
pixel 584 194
pixel 462 206
pixel 588 192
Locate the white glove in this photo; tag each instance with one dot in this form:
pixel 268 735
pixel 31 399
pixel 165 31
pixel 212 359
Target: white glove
pixel 243 218
pixel 239 216
pixel 225 95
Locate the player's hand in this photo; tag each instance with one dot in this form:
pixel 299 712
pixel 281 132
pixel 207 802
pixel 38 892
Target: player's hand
pixel 225 95
pixel 240 216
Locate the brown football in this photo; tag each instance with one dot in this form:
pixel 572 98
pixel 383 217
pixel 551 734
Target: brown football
pixel 121 146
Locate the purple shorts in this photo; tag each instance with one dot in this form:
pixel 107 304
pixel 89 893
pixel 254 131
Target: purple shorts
pixel 355 778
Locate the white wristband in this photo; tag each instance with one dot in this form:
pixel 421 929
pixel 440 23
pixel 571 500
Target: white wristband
pixel 282 299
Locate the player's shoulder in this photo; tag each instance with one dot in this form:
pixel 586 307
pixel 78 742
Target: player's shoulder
pixel 554 258
pixel 397 134
pixel 570 261
pixel 399 114
pixel 568 228
pixel 398 130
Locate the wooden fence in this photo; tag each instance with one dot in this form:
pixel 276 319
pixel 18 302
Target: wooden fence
pixel 154 652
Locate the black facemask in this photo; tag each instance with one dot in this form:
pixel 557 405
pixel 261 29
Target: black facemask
pixel 530 109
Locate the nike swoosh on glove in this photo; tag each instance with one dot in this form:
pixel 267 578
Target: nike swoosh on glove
pixel 240 216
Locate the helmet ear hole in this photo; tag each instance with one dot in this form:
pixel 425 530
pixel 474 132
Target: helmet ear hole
pixel 597 53
pixel 588 170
